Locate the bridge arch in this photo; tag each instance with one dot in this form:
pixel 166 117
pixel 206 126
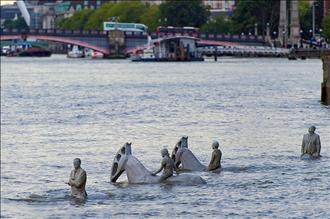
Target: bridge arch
pixel 58 39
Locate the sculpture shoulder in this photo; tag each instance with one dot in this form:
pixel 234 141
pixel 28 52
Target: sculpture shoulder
pixel 217 152
pixel 82 171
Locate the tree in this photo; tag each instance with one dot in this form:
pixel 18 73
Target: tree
pixel 326 27
pixel 305 16
pixel 122 11
pixel 220 24
pixel 251 12
pixel 16 24
pixel 77 21
pixel 183 13
pixel 150 17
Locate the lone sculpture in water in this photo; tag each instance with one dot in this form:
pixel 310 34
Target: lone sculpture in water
pixel 311 144
pixel 137 173
pixel 77 181
pixel 167 164
pixel 188 161
pixel 215 162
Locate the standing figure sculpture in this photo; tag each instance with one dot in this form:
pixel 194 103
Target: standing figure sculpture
pixel 167 164
pixel 215 162
pixel 77 181
pixel 311 144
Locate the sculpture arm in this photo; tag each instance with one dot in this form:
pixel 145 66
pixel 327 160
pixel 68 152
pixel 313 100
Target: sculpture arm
pixel 303 146
pixel 79 181
pixel 318 145
pixel 160 169
pixel 70 179
pixel 212 160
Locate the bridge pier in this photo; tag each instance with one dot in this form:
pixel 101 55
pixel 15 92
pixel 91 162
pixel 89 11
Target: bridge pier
pixel 116 44
pixel 325 86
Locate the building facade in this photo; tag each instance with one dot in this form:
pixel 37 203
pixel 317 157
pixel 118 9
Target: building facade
pixel 326 7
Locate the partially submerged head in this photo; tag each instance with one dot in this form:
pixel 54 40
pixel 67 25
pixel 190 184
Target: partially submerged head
pixel 215 144
pixel 118 164
pixel 311 129
pixel 76 163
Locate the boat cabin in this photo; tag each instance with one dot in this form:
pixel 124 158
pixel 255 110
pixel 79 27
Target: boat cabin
pixel 177 48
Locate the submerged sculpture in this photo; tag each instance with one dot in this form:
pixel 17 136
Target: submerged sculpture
pixel 77 181
pixel 311 144
pixel 167 164
pixel 188 161
pixel 215 162
pixel 137 173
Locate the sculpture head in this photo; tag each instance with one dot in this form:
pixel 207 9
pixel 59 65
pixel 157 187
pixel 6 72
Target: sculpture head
pixel 164 152
pixel 76 163
pixel 215 144
pixel 311 129
pixel 119 161
pixel 182 143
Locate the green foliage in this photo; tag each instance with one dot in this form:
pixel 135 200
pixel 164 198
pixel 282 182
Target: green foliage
pixel 16 24
pixel 95 21
pixel 151 17
pixel 218 25
pixel 305 16
pixel 77 21
pixel 249 12
pixel 183 13
pixel 126 11
pixel 326 27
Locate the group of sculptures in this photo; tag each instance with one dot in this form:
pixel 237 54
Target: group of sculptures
pixel 180 161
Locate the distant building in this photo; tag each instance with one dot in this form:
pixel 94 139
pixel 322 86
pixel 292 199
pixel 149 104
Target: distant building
pixel 326 7
pixel 220 7
pixel 217 7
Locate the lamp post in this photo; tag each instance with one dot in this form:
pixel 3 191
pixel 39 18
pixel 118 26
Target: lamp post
pixel 284 43
pixel 301 38
pixel 255 29
pixel 161 22
pixel 311 36
pixel 313 18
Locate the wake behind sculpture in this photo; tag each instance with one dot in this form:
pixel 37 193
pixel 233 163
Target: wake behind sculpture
pixel 311 145
pixel 77 180
pixel 137 173
pixel 188 161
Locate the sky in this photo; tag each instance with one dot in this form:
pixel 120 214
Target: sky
pixel 4 2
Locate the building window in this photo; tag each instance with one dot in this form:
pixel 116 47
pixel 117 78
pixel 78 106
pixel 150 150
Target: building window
pixel 78 7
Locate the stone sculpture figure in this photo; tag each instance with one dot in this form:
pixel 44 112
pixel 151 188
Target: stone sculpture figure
pixel 311 144
pixel 167 164
pixel 124 161
pixel 77 181
pixel 215 162
pixel 183 157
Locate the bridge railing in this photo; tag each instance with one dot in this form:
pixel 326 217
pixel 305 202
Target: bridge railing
pixel 58 32
pixel 132 34
pixel 221 37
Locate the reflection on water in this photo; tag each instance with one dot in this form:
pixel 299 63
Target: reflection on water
pixel 56 109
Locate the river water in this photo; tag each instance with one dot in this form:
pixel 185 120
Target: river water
pixel 56 109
